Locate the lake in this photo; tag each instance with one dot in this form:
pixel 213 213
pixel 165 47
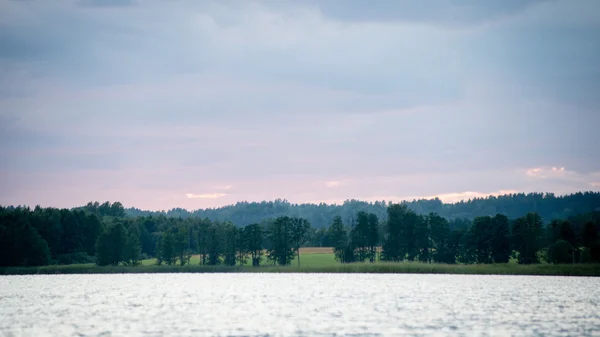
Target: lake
pixel 298 305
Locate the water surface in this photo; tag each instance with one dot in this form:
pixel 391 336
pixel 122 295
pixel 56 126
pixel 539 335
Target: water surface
pixel 298 305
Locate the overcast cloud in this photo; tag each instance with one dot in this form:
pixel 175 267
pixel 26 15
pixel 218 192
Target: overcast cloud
pixel 194 104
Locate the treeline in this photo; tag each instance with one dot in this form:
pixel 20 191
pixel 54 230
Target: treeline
pixel 408 236
pixel 547 205
pixel 47 235
pixel 223 243
pixel 101 233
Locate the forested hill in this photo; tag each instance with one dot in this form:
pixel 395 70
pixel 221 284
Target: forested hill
pixel 547 205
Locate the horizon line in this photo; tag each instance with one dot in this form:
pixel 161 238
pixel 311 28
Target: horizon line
pixel 401 200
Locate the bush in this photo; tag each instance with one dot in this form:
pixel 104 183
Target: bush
pixel 560 252
pixel 75 258
pixel 586 257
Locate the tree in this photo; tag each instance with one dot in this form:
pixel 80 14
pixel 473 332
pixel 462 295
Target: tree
pixel 467 247
pixel 133 247
pixel 117 236
pixel 454 246
pixel 215 243
pixel 400 228
pixel 393 244
pixel 253 234
pixel 372 236
pixel 482 235
pixel 299 228
pixel 500 239
pixel 91 231
pixel 242 246
pixel 561 230
pixel 48 224
pixel 591 242
pixel 359 237
pixel 72 239
pixel 527 235
pixel 146 226
pixel 317 237
pixel 589 235
pixel 230 236
pixel 338 237
pixel 181 243
pixel 279 235
pixel 566 233
pixel 110 246
pixel 36 249
pixel 166 250
pixel 440 239
pixel 103 249
pixel 409 238
pixel 117 210
pixel 560 252
pixel 20 243
pixel 423 240
pixel 203 241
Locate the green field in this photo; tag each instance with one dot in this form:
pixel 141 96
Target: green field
pixel 313 257
pixel 321 260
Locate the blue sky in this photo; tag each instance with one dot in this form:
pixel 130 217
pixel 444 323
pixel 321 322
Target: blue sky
pixel 195 104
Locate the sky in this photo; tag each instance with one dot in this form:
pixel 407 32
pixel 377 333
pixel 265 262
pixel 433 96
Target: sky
pixel 197 104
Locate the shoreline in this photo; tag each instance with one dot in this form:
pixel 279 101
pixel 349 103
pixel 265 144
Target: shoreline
pixel 592 270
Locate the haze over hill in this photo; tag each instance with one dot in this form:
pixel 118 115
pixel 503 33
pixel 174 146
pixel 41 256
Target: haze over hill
pixel 548 206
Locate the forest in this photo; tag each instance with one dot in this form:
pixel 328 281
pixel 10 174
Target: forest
pixel 547 205
pixel 109 234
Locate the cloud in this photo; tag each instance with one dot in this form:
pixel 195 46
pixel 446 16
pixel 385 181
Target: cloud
pixel 205 196
pixel 442 12
pixel 107 3
pixel 534 172
pixel 548 172
pixel 295 99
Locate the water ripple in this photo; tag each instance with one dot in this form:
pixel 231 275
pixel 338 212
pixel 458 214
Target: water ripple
pixel 298 305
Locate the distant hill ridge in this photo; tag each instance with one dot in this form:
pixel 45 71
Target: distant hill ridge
pixel 548 205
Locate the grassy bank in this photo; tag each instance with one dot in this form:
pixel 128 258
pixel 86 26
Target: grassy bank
pixel 319 260
pixel 310 256
pixel 382 268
